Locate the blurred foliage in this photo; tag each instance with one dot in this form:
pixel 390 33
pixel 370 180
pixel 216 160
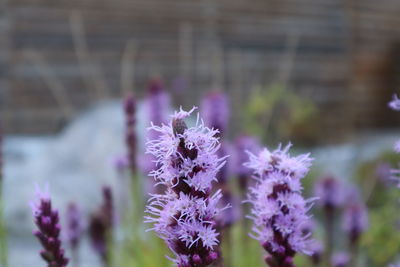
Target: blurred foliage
pixel 274 113
pixel 382 241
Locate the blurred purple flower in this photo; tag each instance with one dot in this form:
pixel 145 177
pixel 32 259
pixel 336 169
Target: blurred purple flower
pixel 157 106
pixel 396 146
pixel 120 163
pixel 279 211
pixel 330 193
pixel 340 259
pixel 185 215
pixel 395 103
pixel 48 233
pixel 130 135
pixel 317 251
pixel 74 229
pixel 215 111
pixel 383 172
pixel 101 223
pixel 355 218
pixel 242 144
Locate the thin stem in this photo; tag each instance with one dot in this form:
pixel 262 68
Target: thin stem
pixel 329 229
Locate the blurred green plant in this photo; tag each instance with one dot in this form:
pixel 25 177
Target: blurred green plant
pixel 274 113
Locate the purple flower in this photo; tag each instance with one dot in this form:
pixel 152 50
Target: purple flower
pixel 157 106
pixel 383 172
pixel 244 143
pixel 355 218
pixel 101 223
pixel 48 233
pixel 340 259
pixel 317 250
pixel 215 110
pixel 130 136
pixel 120 162
pixel 395 103
pixel 74 229
pixel 185 215
pixel 329 191
pixel 279 211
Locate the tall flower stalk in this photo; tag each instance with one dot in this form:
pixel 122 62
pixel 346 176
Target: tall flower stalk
pixel 279 211
pixel 184 216
pixel 130 135
pixel 354 223
pixel 74 230
pixel 330 193
pixel 101 227
pixel 47 221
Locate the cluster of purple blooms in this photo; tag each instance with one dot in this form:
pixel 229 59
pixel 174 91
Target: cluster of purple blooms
pixel 279 212
pixel 185 215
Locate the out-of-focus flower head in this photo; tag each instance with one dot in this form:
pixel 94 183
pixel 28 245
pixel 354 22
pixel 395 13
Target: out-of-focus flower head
pixel 47 220
pixel 101 223
pixel 395 103
pixel 317 251
pixel 120 163
pixel 215 110
pixel 355 216
pixel 74 229
pixel 130 135
pixel 157 105
pixel 185 215
pixel 329 190
pixel 244 143
pixel 340 259
pixel 279 211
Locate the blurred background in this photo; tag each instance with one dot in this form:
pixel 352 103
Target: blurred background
pixel 317 73
pixel 58 57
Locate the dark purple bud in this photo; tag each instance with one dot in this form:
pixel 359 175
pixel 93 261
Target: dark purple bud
pixel 197 260
pixel 211 257
pixel 49 231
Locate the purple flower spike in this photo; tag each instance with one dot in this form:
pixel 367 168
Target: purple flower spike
pixel 244 143
pixel 215 111
pixel 355 220
pixel 130 135
pixel 74 225
pixel 184 216
pixel 48 233
pixel 329 191
pixel 279 212
pixel 157 105
pixel 340 259
pixel 395 103
pixel 101 223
